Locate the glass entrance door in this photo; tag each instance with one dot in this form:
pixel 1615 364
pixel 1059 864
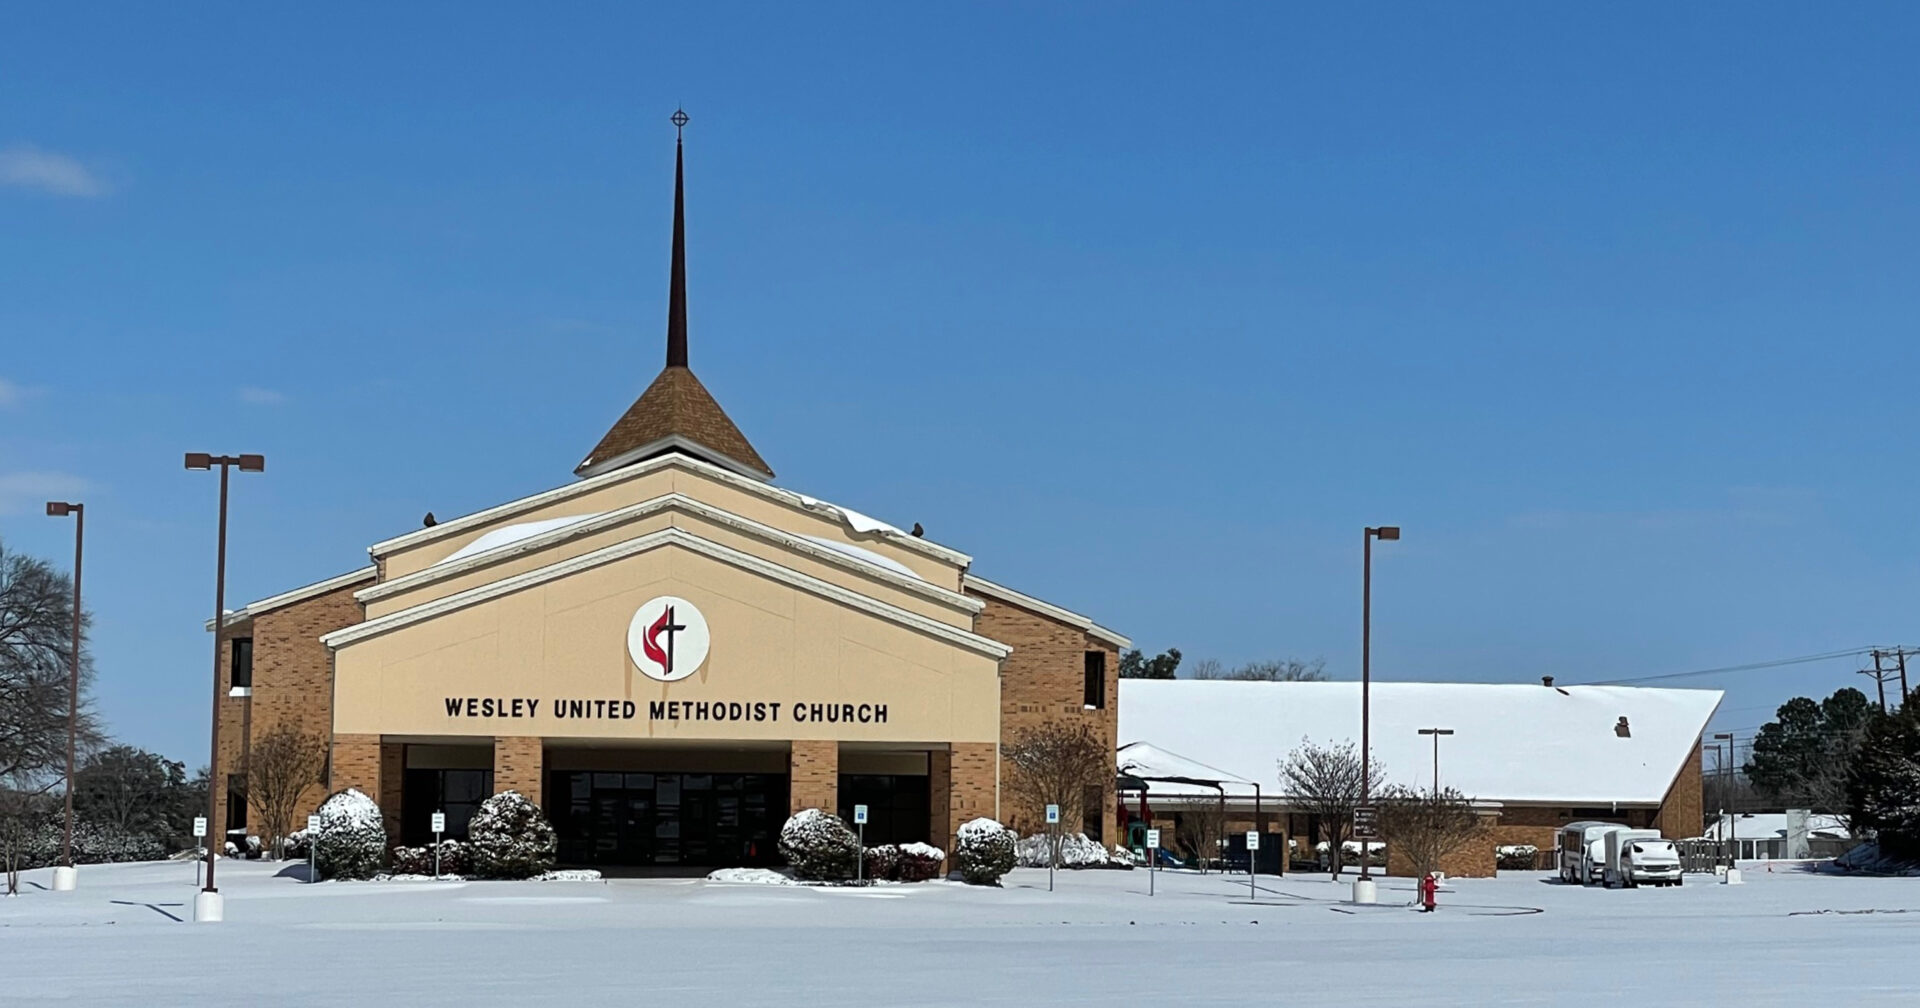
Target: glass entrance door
pixel 665 819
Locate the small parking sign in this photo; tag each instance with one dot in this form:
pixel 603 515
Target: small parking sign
pixel 439 822
pixel 313 824
pixel 859 815
pixel 1053 814
pixel 1253 840
pixel 1153 838
pixel 200 826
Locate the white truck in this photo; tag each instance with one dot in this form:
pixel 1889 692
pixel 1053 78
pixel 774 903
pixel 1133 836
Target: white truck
pixel 1633 857
pixel 1576 840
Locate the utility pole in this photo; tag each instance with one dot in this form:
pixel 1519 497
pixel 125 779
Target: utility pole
pixel 1880 674
pixel 1899 657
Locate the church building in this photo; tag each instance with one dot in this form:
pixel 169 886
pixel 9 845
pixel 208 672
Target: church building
pixel 670 653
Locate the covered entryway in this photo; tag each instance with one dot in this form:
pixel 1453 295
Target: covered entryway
pixel 667 818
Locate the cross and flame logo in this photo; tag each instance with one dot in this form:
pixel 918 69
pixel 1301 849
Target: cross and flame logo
pixel 668 639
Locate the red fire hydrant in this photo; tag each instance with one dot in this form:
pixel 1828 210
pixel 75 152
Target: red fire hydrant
pixel 1429 891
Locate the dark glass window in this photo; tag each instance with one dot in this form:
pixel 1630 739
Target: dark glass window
pixel 896 804
pixel 458 793
pixel 241 666
pixel 236 803
pixel 1095 692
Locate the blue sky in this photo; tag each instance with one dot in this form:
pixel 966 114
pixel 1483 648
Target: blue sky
pixel 1150 309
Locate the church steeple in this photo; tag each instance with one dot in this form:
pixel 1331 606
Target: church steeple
pixel 676 412
pixel 677 282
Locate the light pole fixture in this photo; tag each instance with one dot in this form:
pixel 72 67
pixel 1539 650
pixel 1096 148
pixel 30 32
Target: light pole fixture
pixel 66 876
pixel 1726 799
pixel 207 904
pixel 1386 533
pixel 1436 733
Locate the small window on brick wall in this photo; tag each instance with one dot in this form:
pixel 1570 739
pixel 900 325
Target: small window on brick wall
pixel 242 663
pixel 1094 694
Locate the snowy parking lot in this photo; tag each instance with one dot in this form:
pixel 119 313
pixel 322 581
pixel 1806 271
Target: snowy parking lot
pixel 1782 938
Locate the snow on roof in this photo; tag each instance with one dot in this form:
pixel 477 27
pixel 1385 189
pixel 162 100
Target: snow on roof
pixel 1512 743
pixel 1773 826
pixel 860 553
pixel 1151 763
pixel 855 520
pixel 507 535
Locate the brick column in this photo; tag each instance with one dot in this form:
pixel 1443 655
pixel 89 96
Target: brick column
pixel 971 788
pixel 814 781
pixel 356 764
pixel 518 764
pixel 940 824
pixel 393 767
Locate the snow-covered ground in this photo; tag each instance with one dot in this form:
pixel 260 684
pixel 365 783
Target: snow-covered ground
pixel 1783 938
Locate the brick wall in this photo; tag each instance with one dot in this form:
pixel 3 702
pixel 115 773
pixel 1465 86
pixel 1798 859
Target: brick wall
pixel 814 769
pixel 519 763
pixel 1044 680
pixel 357 763
pixel 292 683
pixel 1683 813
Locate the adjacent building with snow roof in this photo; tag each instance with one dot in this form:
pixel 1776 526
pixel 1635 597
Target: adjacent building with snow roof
pixel 1534 756
pixel 670 654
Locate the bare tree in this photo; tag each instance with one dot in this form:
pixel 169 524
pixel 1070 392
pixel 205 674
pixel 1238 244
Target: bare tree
pixel 1200 825
pixel 1324 781
pixel 282 765
pixel 1272 670
pixel 1055 763
pixel 36 627
pixel 1426 826
pixel 1207 668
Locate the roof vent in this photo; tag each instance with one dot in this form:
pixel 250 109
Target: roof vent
pixel 1621 729
pixel 1546 680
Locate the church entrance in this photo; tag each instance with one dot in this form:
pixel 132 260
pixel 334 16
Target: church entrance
pixel 667 819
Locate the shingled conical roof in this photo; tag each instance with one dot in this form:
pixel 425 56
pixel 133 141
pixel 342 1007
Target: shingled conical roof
pixel 676 412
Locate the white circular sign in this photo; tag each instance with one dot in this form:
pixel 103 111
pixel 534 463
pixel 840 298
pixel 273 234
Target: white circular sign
pixel 668 639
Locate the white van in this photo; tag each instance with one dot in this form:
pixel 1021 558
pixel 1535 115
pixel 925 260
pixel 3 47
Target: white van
pixel 1575 865
pixel 1634 860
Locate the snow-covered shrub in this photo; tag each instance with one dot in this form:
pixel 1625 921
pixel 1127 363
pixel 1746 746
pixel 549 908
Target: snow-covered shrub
pixel 351 842
pixel 1120 857
pixel 882 863
pixel 917 862
pixel 509 838
pixel 1515 857
pixel 819 845
pixel 983 851
pixel 93 843
pixel 1076 851
pixel 293 846
pixel 419 860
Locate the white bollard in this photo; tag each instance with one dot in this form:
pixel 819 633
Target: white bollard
pixel 1732 877
pixel 208 907
pixel 1364 891
pixel 65 878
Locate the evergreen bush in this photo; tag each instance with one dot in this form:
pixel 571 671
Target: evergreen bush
pixel 509 838
pixel 819 845
pixel 983 851
pixel 351 842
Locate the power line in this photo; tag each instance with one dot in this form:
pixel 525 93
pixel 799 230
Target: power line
pixel 1750 667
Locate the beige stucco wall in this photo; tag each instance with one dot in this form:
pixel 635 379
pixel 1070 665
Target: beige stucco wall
pixel 566 639
pixel 659 513
pixel 641 483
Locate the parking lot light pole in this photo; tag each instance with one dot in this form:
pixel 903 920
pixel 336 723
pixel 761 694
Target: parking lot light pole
pixel 1436 733
pixel 1726 799
pixel 207 905
pixel 1387 533
pixel 65 877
